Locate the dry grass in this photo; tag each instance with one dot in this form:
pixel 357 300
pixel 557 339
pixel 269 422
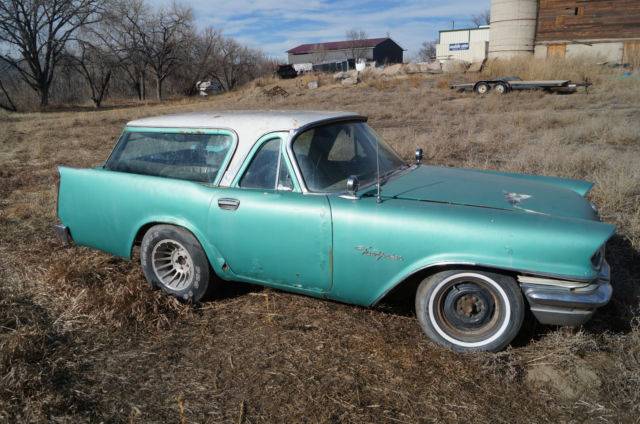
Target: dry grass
pixel 576 69
pixel 82 338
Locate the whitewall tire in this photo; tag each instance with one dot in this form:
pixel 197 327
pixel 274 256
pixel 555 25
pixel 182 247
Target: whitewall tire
pixel 468 310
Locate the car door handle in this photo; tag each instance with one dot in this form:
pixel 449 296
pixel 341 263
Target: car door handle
pixel 228 204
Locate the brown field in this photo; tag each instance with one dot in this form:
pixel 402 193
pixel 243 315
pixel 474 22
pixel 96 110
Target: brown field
pixel 82 337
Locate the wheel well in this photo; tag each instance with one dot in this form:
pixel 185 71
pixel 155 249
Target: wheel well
pixel 406 289
pixel 137 240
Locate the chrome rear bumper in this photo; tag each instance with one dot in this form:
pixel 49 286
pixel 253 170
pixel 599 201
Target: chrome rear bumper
pixel 63 234
pixel 565 302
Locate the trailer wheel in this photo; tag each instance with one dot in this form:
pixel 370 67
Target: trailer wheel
pixel 482 88
pixel 501 88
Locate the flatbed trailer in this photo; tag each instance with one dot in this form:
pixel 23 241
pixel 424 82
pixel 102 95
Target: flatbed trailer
pixel 508 84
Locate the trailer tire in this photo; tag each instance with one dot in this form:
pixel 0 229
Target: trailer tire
pixel 501 88
pixel 482 88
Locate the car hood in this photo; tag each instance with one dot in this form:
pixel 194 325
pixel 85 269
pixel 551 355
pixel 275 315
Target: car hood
pixel 486 189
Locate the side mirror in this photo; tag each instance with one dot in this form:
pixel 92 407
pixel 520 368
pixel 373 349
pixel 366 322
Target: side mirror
pixel 352 186
pixel 419 156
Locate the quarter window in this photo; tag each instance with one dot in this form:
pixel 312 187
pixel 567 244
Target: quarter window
pixel 268 170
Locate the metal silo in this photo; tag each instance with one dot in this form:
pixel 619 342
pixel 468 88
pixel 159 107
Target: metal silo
pixel 513 28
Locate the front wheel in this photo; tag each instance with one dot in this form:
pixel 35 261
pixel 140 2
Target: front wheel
pixel 173 260
pixel 469 311
pixel 482 88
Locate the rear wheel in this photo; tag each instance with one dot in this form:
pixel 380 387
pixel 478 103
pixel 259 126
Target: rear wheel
pixel 501 88
pixel 482 88
pixel 173 260
pixel 467 310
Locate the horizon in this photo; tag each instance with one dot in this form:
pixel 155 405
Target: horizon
pixel 277 26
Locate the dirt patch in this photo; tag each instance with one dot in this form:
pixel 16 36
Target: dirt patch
pixel 570 383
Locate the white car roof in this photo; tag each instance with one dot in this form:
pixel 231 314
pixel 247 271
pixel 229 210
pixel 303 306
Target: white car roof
pixel 249 125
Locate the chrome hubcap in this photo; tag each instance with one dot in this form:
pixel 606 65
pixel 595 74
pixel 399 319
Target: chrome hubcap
pixel 172 264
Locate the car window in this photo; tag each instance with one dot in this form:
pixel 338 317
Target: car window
pixel 263 169
pixel 285 181
pixel 344 148
pixel 194 157
pixel 268 170
pixel 329 154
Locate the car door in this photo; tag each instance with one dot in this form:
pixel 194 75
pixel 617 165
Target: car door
pixel 267 230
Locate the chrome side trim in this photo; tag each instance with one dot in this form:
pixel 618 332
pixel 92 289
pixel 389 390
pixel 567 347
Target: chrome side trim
pixel 524 279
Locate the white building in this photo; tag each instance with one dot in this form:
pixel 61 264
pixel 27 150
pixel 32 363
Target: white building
pixel 470 44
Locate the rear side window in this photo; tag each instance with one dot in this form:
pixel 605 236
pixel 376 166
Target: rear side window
pixel 193 157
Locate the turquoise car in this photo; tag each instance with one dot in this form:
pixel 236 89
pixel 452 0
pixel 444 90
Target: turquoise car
pixel 316 203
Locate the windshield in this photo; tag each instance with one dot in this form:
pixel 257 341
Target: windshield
pixel 328 155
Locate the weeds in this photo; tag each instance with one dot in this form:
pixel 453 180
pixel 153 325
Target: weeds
pixel 83 338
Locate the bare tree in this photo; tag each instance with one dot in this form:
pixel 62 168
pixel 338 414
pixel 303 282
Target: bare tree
pixel 483 18
pixel 162 36
pixel 7 103
pixel 96 64
pixel 357 49
pixel 427 51
pixel 120 32
pixel 236 64
pixel 35 34
pixel 198 61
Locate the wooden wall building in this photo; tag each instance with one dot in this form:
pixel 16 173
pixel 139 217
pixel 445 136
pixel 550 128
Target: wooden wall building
pixel 606 28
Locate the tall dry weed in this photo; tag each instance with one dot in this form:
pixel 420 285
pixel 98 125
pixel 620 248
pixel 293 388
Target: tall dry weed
pixel 530 68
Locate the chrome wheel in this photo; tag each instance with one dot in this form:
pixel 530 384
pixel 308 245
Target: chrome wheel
pixel 172 264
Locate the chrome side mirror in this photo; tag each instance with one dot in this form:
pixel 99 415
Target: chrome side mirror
pixel 352 186
pixel 418 156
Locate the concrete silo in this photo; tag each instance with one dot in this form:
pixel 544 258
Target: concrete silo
pixel 513 28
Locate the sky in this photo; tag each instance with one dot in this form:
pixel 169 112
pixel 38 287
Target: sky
pixel 276 26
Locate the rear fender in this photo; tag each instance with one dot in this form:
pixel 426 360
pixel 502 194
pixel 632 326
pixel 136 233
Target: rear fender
pixel 106 210
pixel 213 254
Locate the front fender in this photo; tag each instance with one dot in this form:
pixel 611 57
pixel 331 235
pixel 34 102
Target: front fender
pixel 579 269
pixel 377 246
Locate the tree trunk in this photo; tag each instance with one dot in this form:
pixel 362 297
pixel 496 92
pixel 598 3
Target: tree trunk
pixel 11 107
pixel 44 95
pixel 142 92
pixel 159 89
